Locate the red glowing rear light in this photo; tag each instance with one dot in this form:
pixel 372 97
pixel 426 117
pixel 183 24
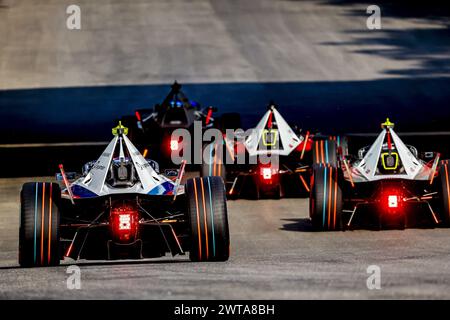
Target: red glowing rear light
pixel 391 197
pixel 393 201
pixel 266 173
pixel 124 223
pixel 174 145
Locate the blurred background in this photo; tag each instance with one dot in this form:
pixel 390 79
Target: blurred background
pixel 316 59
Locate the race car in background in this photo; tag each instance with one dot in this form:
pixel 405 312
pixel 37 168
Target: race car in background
pixel 151 129
pixel 122 208
pixel 284 172
pixel 386 185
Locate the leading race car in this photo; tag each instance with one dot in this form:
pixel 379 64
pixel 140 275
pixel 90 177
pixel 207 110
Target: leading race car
pixel 122 208
pixel 386 185
pixel 272 161
pixel 151 129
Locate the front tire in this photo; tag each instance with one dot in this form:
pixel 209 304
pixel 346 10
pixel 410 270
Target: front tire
pixel 39 225
pixel 326 199
pixel 208 219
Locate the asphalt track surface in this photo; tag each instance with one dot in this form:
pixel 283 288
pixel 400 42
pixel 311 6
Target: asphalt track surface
pixel 274 256
pixel 154 42
pixel 316 59
pixel 314 53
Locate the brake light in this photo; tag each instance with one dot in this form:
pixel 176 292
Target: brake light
pixel 174 145
pixel 393 201
pixel 266 173
pixel 124 222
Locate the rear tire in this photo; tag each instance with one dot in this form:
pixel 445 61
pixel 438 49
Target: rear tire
pixel 325 153
pixel 326 199
pixel 208 217
pixel 39 225
pixel 444 173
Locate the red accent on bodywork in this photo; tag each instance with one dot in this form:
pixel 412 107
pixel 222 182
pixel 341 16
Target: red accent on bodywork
pixel 389 140
pixel 306 145
pixel 269 121
pixel 209 115
pixel 138 116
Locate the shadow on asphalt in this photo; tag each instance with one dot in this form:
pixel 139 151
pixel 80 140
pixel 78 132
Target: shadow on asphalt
pixel 427 48
pixel 108 263
pixel 132 262
pixel 301 225
pixel 435 10
pixel 89 113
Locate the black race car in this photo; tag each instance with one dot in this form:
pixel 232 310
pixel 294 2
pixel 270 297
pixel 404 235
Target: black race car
pixel 151 129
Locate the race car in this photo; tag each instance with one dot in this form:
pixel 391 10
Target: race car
pixel 387 185
pixel 272 160
pixel 151 129
pixel 122 208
